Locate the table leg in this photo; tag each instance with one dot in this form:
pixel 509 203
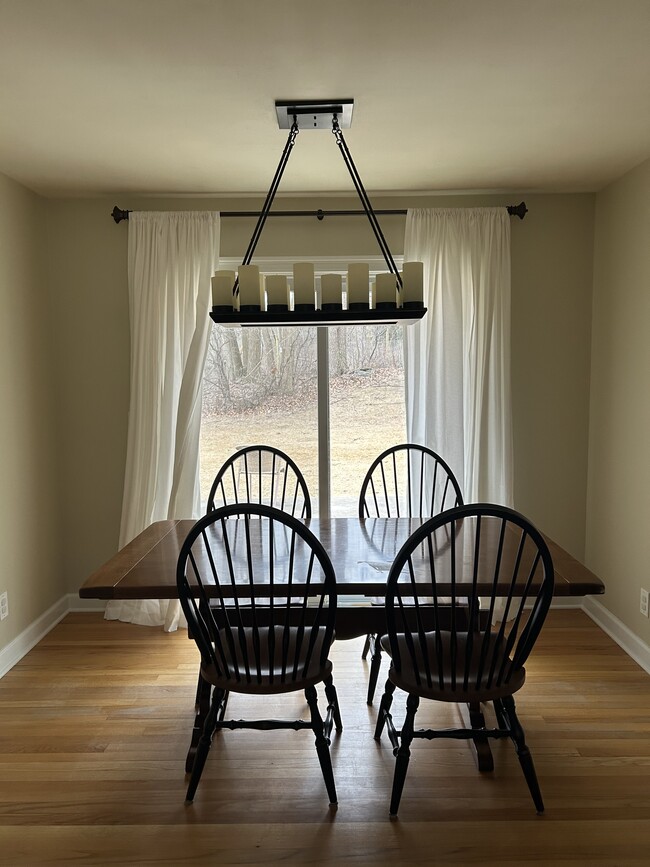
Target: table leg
pixel 484 757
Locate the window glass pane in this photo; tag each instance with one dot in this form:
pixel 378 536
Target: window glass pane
pixel 260 388
pixel 367 413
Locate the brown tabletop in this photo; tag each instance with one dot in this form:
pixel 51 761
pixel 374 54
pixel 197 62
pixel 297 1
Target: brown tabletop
pixel 361 553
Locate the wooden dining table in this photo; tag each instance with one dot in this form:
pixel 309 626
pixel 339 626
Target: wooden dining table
pixel 361 551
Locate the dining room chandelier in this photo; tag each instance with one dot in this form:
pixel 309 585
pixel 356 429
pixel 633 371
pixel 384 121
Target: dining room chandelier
pixel 248 298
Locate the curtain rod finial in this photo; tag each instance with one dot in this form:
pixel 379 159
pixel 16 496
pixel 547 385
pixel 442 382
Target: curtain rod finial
pixel 118 214
pixel 519 210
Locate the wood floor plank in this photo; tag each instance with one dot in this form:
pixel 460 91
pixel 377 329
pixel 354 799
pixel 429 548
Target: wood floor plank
pixel 95 722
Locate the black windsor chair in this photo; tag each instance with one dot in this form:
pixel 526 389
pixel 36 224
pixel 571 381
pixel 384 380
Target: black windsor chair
pixel 411 481
pixel 472 551
pixel 259 594
pixel 256 474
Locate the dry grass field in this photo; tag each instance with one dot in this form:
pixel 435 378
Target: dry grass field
pixel 366 416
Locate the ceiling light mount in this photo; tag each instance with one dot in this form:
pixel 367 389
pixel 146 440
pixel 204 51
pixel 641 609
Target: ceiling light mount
pixel 247 303
pixel 314 113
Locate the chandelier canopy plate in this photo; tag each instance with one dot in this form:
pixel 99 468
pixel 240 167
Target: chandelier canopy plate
pixel 314 113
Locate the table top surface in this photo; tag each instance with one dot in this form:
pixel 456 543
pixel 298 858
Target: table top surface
pixel 361 552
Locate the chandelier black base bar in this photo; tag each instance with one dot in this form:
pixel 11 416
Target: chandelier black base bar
pixel 396 315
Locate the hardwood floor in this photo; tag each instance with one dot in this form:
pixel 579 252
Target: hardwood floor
pixel 95 724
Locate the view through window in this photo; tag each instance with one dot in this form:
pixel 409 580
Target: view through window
pixel 260 387
pixel 367 415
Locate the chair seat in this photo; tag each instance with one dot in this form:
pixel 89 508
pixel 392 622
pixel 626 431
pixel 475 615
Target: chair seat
pixel 413 679
pixel 273 655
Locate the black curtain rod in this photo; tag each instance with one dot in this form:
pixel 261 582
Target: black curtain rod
pixel 519 210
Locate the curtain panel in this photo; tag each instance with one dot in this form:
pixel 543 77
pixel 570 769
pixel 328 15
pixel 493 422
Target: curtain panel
pixel 457 358
pixel 171 259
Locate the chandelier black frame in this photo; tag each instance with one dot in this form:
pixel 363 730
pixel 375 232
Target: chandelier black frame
pixel 320 114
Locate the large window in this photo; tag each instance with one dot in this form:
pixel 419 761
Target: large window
pixel 331 398
pixel 260 388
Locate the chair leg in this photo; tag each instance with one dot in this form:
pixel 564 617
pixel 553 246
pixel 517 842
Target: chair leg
pixel 224 705
pixel 484 758
pixel 322 743
pixel 202 698
pixel 202 707
pixel 204 744
pixel 525 759
pixel 502 722
pixel 375 666
pixel 384 708
pixel 366 647
pixel 403 753
pixel 333 702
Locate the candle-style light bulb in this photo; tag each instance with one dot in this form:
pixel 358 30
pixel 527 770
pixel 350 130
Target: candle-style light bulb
pixel 413 284
pixel 249 288
pixel 358 286
pixel 277 292
pixel 386 292
pixel 331 292
pixel 222 286
pixel 304 287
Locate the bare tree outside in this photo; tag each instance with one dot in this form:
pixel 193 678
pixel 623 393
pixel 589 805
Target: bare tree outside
pixel 260 387
pixel 247 367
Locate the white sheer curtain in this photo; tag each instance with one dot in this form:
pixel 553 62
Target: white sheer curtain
pixel 457 358
pixel 171 258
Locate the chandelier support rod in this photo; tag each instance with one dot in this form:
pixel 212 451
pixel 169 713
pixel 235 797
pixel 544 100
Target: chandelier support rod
pixel 365 201
pixel 266 207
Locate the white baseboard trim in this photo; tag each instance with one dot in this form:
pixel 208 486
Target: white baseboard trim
pixel 566 602
pixel 637 649
pixel 28 638
pixel 618 631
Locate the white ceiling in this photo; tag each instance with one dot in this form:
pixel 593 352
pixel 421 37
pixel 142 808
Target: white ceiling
pixel 177 96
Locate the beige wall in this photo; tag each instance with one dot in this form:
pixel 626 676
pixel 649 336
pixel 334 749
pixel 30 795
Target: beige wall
pixel 86 253
pixel 551 335
pixel 29 539
pixel 551 262
pixel 65 366
pixel 618 503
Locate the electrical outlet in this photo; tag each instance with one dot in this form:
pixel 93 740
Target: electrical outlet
pixel 4 605
pixel 643 607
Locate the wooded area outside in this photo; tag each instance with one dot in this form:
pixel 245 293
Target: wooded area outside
pixel 260 387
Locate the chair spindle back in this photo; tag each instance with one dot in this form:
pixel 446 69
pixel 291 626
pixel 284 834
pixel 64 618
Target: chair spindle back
pixel 259 593
pixel 410 481
pixel 493 571
pixel 261 474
